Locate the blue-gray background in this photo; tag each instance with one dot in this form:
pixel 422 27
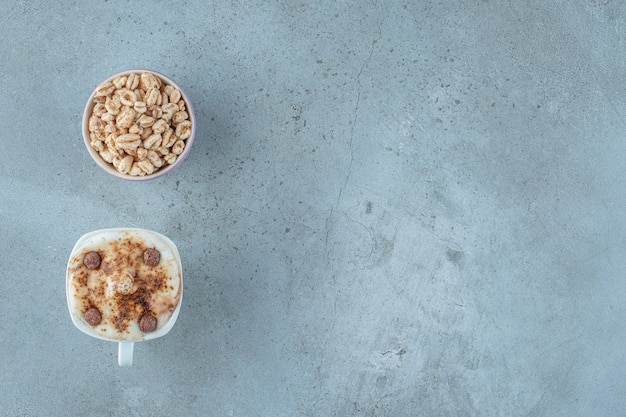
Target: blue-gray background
pixel 392 208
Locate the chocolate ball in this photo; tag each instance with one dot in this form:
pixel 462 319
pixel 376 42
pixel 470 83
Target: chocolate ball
pixel 93 316
pixel 152 256
pixel 92 260
pixel 148 323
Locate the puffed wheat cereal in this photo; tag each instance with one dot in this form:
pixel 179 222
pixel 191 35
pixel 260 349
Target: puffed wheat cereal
pixel 146 132
pixel 174 95
pixel 146 166
pixel 168 138
pixel 142 153
pixel 128 141
pixel 104 89
pixel 154 158
pixel 139 124
pixel 113 104
pixel 108 117
pixel 145 120
pixel 140 106
pixel 107 156
pixel 132 81
pixel 183 130
pixel 168 111
pixel 179 117
pixel 135 170
pixel 125 118
pixel 149 81
pixel 152 96
pixel 178 147
pixel 125 164
pixel 170 158
pixel 127 97
pixel 153 141
pixel 159 126
pixel 98 145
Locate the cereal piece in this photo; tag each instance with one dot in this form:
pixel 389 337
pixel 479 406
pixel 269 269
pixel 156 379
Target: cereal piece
pixel 145 133
pixel 183 130
pixel 116 152
pixel 159 126
pixel 135 170
pixel 120 81
pixel 175 95
pixel 128 141
pixel 107 156
pixel 154 158
pixel 125 164
pixel 127 97
pixel 179 117
pixel 126 117
pixel 153 141
pixel 168 138
pixel 135 129
pixel 95 124
pixel 113 104
pixel 93 316
pixel 108 117
pixel 156 111
pixel 145 120
pixel 178 147
pixel 152 96
pixel 132 81
pixel 142 153
pixel 152 256
pixel 116 162
pixel 162 150
pixel 168 111
pixel 92 260
pixel 99 109
pixel 104 89
pixel 110 128
pixel 110 143
pixel 170 158
pixel 148 81
pixel 98 145
pixel 181 105
pixel 140 106
pixel 141 94
pixel 96 136
pixel 122 283
pixel 147 323
pixel 146 166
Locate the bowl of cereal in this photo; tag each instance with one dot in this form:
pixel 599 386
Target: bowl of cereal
pixel 138 125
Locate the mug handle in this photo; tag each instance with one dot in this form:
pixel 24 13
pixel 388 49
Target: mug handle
pixel 125 353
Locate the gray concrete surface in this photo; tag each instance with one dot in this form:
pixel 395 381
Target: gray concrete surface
pixel 392 208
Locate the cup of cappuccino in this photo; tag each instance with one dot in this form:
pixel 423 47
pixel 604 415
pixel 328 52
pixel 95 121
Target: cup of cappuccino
pixel 124 285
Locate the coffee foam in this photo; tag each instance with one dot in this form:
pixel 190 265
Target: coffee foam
pixel 124 287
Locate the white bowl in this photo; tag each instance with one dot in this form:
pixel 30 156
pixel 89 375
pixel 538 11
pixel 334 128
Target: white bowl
pixel 109 167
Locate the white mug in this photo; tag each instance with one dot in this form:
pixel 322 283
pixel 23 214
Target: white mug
pixel 99 239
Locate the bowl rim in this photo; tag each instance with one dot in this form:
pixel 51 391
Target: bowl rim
pixel 109 168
